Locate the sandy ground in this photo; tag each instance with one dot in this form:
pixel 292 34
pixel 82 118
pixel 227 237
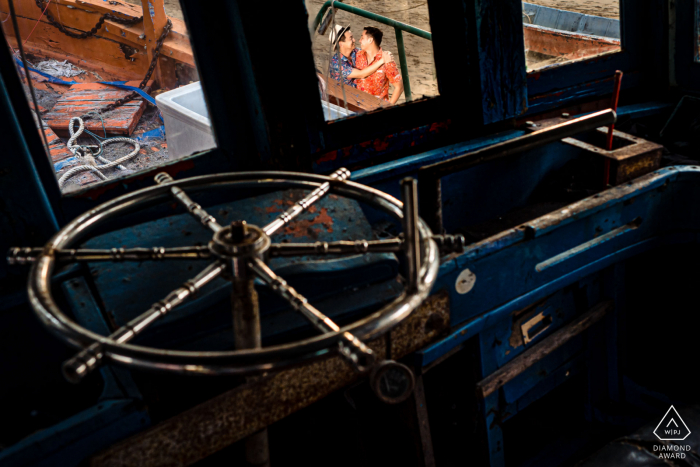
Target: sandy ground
pixel 605 8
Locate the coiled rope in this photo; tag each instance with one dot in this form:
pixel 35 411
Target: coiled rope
pixel 85 153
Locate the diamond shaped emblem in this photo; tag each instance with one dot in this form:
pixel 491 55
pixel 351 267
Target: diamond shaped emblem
pixel 672 427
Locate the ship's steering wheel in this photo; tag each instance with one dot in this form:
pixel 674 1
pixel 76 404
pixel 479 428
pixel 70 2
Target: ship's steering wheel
pixel 239 253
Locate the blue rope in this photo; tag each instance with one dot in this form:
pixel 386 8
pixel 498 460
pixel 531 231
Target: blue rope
pixel 116 84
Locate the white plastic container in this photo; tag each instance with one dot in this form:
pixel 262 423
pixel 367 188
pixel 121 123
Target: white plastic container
pixel 187 124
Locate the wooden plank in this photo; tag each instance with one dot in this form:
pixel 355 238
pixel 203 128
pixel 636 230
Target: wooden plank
pixel 57 149
pixel 82 98
pixel 358 101
pixel 177 45
pixel 522 362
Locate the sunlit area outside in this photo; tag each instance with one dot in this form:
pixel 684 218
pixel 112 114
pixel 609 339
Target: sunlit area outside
pixel 560 31
pixel 113 91
pixel 371 55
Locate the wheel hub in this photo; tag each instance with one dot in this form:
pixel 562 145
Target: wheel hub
pixel 239 240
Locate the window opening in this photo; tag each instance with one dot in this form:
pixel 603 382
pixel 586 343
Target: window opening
pixel 371 55
pixel 560 31
pixel 117 91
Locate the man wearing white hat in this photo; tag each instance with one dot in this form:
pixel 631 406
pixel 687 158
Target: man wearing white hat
pixel 342 64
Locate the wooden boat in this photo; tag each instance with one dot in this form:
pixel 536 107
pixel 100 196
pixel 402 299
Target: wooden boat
pixel 553 35
pixel 119 47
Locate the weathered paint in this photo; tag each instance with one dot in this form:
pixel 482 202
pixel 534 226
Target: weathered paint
pixel 568 45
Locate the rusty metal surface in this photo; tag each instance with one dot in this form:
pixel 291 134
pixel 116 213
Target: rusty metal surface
pixel 229 417
pixel 638 158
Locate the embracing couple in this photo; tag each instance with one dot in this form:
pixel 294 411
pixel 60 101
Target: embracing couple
pixel 368 69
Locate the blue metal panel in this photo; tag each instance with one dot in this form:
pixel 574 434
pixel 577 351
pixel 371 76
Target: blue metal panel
pixel 508 261
pixel 331 219
pixel 570 21
pixel 69 442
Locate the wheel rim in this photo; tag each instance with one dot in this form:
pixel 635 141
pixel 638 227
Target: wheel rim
pixel 225 362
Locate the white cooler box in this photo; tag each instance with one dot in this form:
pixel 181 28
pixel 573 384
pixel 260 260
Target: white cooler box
pixel 187 124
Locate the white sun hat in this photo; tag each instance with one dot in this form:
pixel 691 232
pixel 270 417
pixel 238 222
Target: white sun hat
pixel 337 33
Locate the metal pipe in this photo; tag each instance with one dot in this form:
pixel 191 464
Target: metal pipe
pixel 409 189
pixel 429 176
pixel 195 209
pixel 342 247
pixel 18 256
pixel 247 334
pixel 304 204
pixel 352 348
pixel 92 357
pixel 404 65
pixel 373 16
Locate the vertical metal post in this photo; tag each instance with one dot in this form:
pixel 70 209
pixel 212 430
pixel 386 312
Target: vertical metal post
pixel 409 189
pixel 404 65
pixel 247 333
pixel 430 200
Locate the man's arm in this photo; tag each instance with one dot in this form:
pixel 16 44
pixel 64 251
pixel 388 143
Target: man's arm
pixel 392 73
pixel 365 72
pixel 398 90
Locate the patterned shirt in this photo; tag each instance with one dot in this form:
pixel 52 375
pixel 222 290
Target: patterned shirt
pixel 342 65
pixel 377 83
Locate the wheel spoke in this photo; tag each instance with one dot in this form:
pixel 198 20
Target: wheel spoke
pixel 302 205
pixel 29 255
pixel 342 247
pixel 193 208
pixel 91 357
pixel 353 349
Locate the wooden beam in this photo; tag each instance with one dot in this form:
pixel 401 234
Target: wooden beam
pixel 97 49
pixel 357 101
pixel 522 362
pixel 154 20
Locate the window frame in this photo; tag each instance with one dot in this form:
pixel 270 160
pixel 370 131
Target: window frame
pixel 593 77
pixel 486 85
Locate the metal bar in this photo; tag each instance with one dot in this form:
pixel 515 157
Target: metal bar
pixel 302 205
pixel 193 208
pixel 409 189
pixel 373 16
pixel 18 256
pixel 353 349
pixel 428 176
pixel 343 247
pixel 404 64
pixel 247 335
pixel 92 356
